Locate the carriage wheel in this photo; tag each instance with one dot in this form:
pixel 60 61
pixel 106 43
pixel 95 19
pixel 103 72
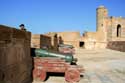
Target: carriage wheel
pixel 43 75
pixel 36 74
pixel 72 75
pixel 39 74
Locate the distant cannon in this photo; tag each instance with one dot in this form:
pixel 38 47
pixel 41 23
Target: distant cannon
pixel 65 48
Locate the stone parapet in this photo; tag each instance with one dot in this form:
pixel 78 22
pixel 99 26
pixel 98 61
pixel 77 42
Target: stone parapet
pixel 15 58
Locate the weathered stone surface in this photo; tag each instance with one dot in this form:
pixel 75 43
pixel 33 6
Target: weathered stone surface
pixel 40 41
pixel 15 59
pixel 5 33
pixel 21 34
pixel 116 45
pixel 71 38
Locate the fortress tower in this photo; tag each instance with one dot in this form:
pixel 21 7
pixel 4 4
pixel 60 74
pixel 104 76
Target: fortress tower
pixel 101 25
pixel 101 15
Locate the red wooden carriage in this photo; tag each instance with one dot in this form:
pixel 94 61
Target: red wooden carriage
pixel 42 65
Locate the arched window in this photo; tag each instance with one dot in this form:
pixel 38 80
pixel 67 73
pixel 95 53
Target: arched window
pixel 118 30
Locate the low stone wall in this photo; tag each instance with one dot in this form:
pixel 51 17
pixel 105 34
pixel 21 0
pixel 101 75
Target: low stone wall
pixel 15 58
pixel 40 41
pixel 116 45
pixel 95 45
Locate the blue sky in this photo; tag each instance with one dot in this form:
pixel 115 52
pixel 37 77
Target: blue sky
pixel 41 16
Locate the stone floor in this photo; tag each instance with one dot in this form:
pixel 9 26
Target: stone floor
pixel 101 66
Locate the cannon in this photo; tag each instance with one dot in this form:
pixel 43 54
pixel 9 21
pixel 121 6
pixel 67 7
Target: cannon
pixel 49 62
pixel 65 48
pixel 44 53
